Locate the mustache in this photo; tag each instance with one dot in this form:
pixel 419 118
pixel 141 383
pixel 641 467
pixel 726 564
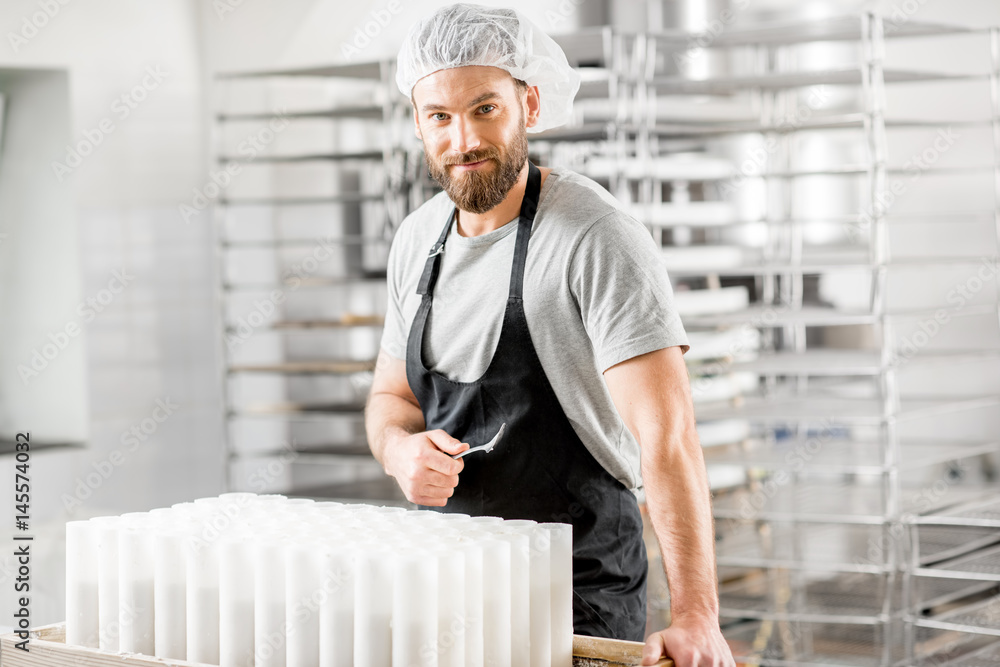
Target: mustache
pixel 475 156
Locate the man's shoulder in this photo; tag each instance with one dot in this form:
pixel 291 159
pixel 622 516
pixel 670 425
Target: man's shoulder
pixel 579 204
pixel 573 189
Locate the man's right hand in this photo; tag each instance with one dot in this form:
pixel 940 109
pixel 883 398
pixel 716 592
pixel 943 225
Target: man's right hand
pixel 423 467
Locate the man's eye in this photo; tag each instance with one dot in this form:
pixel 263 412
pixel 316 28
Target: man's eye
pixel 439 116
pixel 486 108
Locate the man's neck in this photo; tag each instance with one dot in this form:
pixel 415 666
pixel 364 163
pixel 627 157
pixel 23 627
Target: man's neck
pixel 476 224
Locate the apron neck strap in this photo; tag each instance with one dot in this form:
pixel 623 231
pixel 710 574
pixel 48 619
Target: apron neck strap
pixel 429 277
pixel 529 205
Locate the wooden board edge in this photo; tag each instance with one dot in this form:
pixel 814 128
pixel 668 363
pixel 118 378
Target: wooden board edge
pixel 613 650
pixel 49 641
pixel 48 648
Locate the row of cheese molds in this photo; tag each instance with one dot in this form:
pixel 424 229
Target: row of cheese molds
pixel 270 581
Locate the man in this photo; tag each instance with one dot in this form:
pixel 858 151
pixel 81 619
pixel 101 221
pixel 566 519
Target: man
pixel 571 341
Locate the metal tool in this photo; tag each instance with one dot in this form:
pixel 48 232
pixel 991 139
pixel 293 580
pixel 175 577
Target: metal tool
pixel 488 447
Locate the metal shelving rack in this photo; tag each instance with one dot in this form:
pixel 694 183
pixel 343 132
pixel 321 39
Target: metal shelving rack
pixel 312 243
pixel 822 480
pixel 955 593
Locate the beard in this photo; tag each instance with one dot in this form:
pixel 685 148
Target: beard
pixel 480 190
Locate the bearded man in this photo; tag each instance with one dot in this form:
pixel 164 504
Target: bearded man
pixel 571 341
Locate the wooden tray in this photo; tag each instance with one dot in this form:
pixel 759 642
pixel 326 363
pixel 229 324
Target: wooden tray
pixel 48 649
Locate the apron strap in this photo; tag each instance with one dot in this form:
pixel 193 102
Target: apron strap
pixel 429 277
pixel 529 204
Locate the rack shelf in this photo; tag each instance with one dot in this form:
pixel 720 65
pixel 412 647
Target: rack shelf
pixel 306 367
pixel 9 447
pixel 819 316
pixel 720 214
pixel 938 543
pixel 987 656
pixel 300 409
pixel 816 267
pixel 370 112
pixel 982 565
pixel 788 546
pixel 939 593
pixel 838 455
pixel 843 598
pixel 345 198
pixel 595 130
pixel 849 28
pixel 831 362
pixel 316 157
pixel 981 514
pixel 300 243
pixel 787 644
pixel 281 415
pixel 675 170
pixel 979 618
pixel 345 321
pixel 852 410
pixel 817 122
pixel 844 502
pixel 373 70
pixel 374 278
pixel 339 450
pixel 787 80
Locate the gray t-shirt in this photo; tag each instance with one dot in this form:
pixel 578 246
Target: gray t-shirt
pixel 596 293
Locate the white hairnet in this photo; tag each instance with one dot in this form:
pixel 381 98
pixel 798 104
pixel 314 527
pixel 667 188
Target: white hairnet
pixel 464 34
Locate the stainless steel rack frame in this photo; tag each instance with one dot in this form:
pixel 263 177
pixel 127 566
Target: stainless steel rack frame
pixel 819 489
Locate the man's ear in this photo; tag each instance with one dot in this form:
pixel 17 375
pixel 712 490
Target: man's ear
pixel 416 122
pixel 532 102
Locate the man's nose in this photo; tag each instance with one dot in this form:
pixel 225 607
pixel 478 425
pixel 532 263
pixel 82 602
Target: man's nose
pixel 463 136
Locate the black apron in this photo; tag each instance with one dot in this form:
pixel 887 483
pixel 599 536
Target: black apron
pixel 541 470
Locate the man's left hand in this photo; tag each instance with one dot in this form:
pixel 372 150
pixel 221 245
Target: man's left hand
pixel 689 643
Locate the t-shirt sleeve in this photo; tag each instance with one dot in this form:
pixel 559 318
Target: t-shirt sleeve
pixel 619 279
pixel 394 331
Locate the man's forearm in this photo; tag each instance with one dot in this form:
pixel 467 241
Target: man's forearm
pixel 388 417
pixel 679 505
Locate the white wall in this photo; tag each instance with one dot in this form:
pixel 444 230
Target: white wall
pixel 155 339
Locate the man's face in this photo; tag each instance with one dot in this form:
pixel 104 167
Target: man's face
pixel 472 123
